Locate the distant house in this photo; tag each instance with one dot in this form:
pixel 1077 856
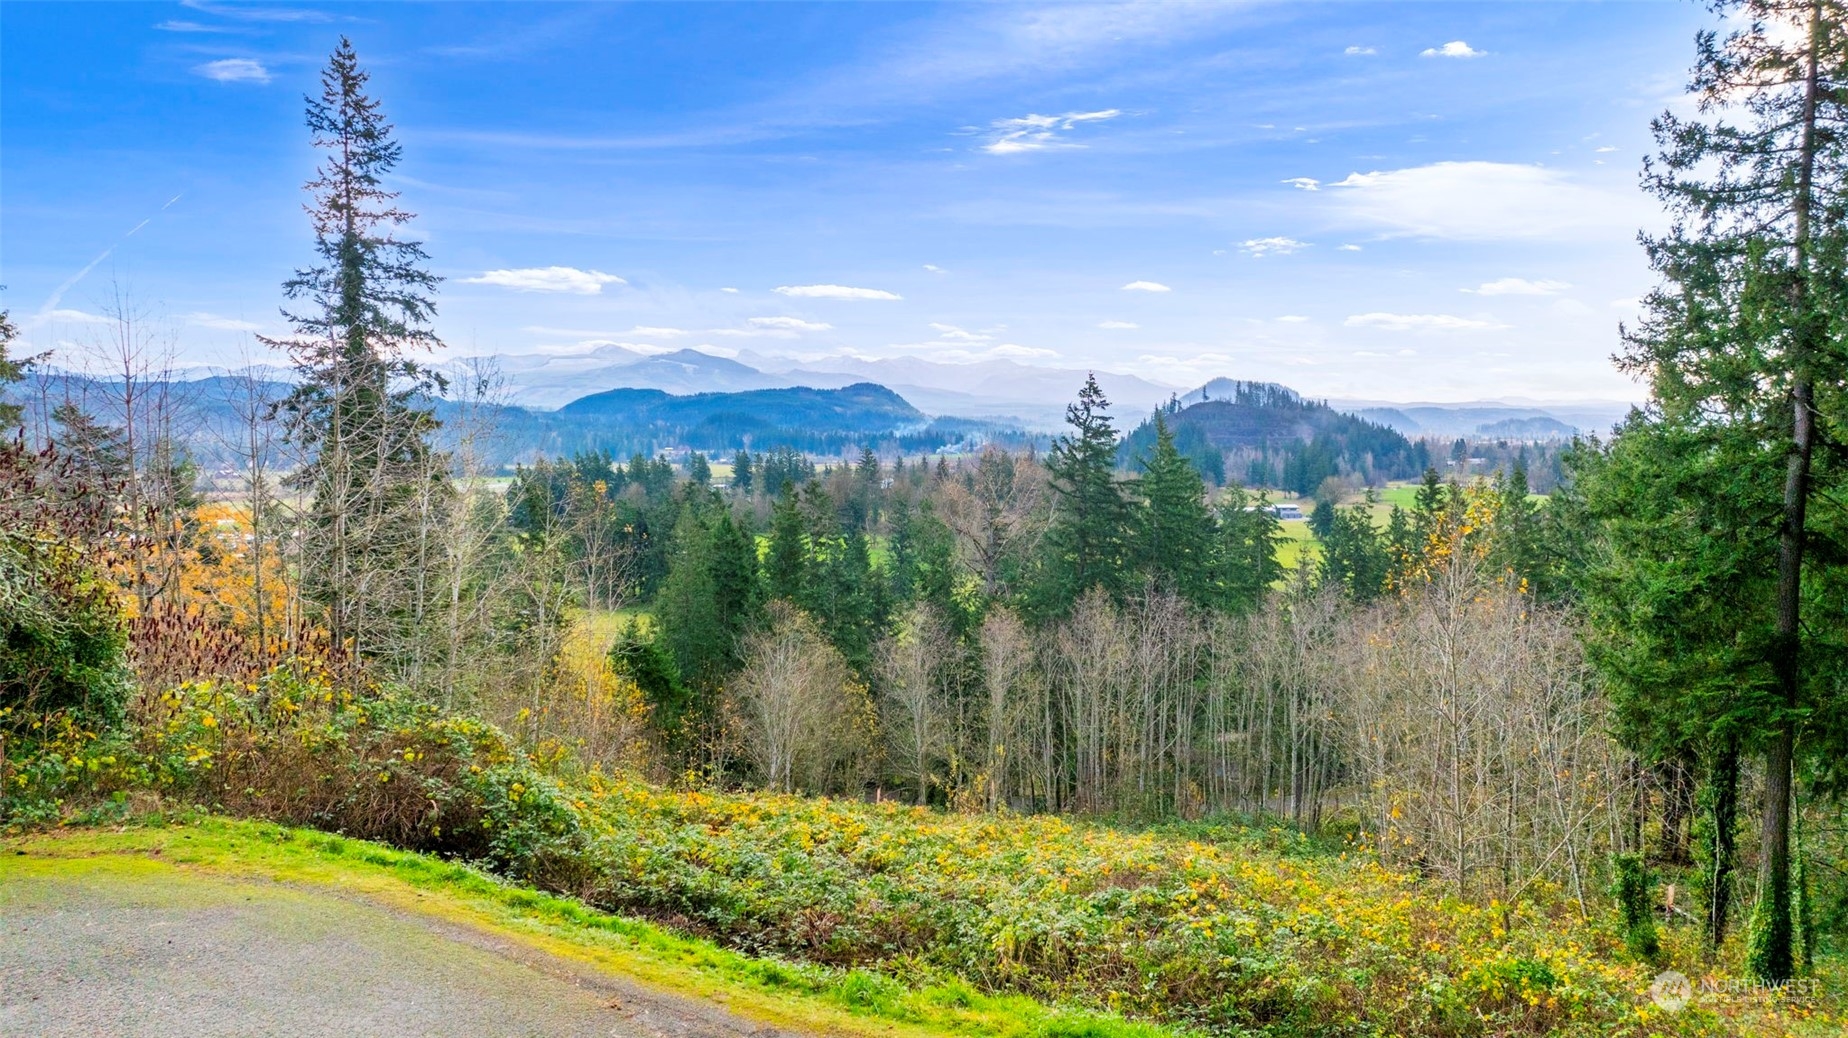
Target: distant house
pixel 1285 511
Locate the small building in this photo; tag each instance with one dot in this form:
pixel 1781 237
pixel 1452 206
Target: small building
pixel 1286 511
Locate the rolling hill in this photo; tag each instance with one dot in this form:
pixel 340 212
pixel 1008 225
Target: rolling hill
pixel 1264 434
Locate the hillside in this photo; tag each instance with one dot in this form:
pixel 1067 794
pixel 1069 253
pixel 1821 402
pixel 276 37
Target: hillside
pixel 1266 435
pixel 210 416
pixel 859 408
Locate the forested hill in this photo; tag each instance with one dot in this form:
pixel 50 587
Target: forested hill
pixel 210 419
pixel 1266 435
pixel 856 409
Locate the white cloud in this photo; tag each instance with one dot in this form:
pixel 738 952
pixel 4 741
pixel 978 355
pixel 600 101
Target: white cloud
pixel 1146 286
pixel 1347 248
pixel 1292 319
pixel 1304 183
pixel 1606 149
pixel 955 334
pixel 228 324
pixel 1486 201
pixel 1011 349
pixel 939 351
pixel 1039 132
pixel 792 324
pixel 234 70
pixel 834 292
pixel 1272 246
pixel 1453 49
pixel 1358 51
pixel 733 291
pixel 548 279
pixel 646 332
pixel 1118 326
pixel 71 317
pixel 1420 323
pixel 1518 287
pixel 933 268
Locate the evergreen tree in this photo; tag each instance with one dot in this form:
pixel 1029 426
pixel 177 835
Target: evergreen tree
pixel 1671 585
pixel 786 568
pixel 644 659
pixel 1084 543
pixel 12 369
pixel 741 473
pixel 1354 554
pixel 1245 558
pixel 1173 529
pixel 707 603
pixel 1743 351
pixel 373 479
pixel 97 453
pixel 699 470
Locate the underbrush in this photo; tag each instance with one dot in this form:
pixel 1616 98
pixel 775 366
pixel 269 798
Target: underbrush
pixel 1217 928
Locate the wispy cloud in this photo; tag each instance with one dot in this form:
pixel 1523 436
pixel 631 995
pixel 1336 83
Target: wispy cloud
pixel 258 12
pixel 1039 132
pixel 642 331
pixel 1146 286
pixel 175 25
pixel 728 289
pixel 948 354
pixel 933 268
pixel 833 292
pixel 1360 51
pixel 955 334
pixel 1420 323
pixel 1518 287
pixel 72 317
pixel 790 324
pixel 1304 183
pixel 1485 201
pixel 234 70
pixel 227 324
pixel 1453 49
pixel 1260 247
pixel 1118 326
pixel 548 279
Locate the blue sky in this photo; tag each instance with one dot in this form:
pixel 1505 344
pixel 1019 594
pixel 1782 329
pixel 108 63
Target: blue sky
pixel 1404 201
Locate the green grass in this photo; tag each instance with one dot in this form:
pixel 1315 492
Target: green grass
pixel 601 626
pixel 783 994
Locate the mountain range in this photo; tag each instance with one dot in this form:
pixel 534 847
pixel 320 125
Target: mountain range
pixel 995 390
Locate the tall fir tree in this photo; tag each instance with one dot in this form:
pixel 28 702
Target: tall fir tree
pixel 373 480
pixel 1742 349
pixel 1174 542
pixel 1084 545
pixel 786 567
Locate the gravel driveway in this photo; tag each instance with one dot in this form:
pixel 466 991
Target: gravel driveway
pixel 173 954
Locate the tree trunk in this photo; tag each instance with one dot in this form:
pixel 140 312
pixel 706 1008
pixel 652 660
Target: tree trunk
pixel 1723 808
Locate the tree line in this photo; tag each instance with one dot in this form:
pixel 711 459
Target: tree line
pixel 1493 691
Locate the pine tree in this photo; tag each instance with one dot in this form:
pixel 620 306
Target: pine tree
pixel 1741 348
pixel 786 568
pixel 1084 544
pixel 373 481
pixel 1245 558
pixel 741 473
pixel 97 453
pixel 1173 529
pixel 12 369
